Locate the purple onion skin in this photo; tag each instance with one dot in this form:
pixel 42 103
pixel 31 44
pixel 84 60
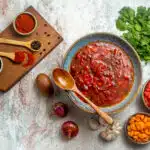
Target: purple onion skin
pixel 70 129
pixel 60 109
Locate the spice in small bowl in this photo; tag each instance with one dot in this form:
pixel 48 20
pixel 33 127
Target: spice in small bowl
pixel 1 65
pixel 138 128
pixel 25 23
pixel 146 94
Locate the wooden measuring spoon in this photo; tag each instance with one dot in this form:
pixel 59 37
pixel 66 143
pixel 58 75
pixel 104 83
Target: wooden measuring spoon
pixel 32 44
pixel 8 55
pixel 65 81
pixel 13 56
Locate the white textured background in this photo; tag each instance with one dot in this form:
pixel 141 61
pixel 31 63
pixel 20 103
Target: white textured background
pixel 24 120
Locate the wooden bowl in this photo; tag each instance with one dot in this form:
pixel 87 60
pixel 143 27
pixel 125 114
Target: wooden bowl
pixel 143 94
pixel 25 34
pixel 126 131
pixel 1 68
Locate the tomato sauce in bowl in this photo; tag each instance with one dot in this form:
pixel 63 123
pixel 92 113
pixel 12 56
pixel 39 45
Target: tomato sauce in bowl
pixel 103 72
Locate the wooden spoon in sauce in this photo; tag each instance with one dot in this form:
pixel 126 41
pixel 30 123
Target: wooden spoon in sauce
pixel 65 81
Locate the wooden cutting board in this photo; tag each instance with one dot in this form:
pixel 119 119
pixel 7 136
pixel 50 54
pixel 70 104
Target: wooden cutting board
pixel 14 72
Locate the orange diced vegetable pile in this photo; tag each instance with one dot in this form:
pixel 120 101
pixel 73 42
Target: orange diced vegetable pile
pixel 139 128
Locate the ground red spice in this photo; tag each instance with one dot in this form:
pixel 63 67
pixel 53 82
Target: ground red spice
pixel 30 59
pixel 19 57
pixel 24 57
pixel 25 23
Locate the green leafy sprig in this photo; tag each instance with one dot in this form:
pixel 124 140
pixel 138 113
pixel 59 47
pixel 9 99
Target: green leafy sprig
pixel 136 27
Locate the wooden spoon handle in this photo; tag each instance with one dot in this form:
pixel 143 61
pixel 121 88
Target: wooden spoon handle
pixel 8 55
pixel 13 42
pixel 104 115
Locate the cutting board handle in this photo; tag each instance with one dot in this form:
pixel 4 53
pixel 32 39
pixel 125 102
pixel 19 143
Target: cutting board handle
pixel 12 42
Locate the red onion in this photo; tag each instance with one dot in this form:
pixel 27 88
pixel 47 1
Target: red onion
pixel 60 109
pixel 70 129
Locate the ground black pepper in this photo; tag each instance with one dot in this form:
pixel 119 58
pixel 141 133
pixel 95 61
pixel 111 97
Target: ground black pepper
pixel 36 45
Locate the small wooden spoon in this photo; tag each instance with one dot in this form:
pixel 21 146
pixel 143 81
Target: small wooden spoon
pixel 12 56
pixel 26 44
pixel 8 55
pixel 64 80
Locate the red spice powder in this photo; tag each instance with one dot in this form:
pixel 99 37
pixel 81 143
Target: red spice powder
pixel 24 57
pixel 19 57
pixel 25 23
pixel 147 94
pixel 30 59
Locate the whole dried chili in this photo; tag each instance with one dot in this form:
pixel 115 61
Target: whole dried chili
pixel 25 23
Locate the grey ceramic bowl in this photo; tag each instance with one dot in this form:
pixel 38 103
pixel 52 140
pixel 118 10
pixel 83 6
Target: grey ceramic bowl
pixel 126 124
pixel 143 94
pixel 25 34
pixel 1 68
pixel 107 37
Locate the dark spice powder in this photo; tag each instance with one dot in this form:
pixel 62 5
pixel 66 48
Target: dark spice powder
pixel 36 45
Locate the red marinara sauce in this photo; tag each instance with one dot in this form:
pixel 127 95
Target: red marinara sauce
pixel 103 72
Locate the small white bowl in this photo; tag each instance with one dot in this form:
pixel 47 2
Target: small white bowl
pixel 1 68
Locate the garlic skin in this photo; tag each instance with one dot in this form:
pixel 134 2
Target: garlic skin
pixel 102 122
pixel 111 132
pixel 93 124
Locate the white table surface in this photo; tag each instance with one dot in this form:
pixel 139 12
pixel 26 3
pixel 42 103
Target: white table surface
pixel 24 114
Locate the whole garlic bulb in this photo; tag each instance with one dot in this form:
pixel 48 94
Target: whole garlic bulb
pixel 111 132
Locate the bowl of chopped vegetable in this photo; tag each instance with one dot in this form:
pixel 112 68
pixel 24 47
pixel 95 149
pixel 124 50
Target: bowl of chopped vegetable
pixel 137 128
pixel 1 65
pixel 146 94
pixel 106 69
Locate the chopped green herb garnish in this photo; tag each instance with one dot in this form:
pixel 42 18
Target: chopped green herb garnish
pixel 136 27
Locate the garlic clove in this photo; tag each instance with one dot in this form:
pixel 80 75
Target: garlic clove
pixel 93 124
pixel 111 132
pixel 102 122
pixel 105 136
pixel 117 132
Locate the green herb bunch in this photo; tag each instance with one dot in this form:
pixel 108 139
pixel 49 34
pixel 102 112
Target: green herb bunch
pixel 136 27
